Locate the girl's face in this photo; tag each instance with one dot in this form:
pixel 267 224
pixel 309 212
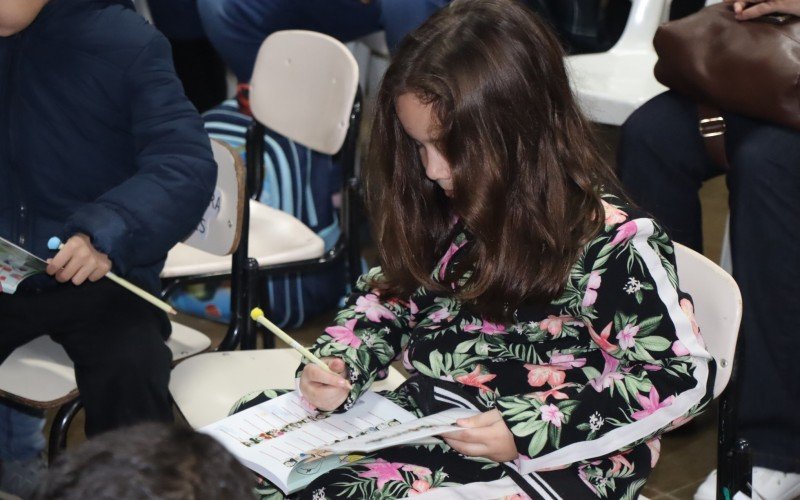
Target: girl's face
pixel 419 123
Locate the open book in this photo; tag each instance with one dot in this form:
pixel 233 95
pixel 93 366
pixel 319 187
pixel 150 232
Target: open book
pixel 16 264
pixel 290 445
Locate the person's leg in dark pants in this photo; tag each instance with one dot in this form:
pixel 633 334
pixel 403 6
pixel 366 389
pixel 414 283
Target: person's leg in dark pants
pixel 237 28
pixel 198 65
pixel 764 184
pixel 115 339
pixel 662 163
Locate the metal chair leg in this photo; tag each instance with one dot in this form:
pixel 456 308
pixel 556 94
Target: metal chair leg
pixel 58 432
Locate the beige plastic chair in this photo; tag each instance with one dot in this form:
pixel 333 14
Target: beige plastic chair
pixel 206 386
pixel 303 87
pixel 39 374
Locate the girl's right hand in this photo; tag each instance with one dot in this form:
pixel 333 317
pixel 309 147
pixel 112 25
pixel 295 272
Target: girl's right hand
pixel 325 391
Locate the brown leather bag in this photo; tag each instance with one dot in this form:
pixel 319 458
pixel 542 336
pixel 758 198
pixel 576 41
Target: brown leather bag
pixel 747 67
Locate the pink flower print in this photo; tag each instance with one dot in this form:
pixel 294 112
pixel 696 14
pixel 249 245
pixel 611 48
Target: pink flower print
pixel 538 375
pixel 688 309
pixel 490 328
pixel 472 327
pixel 678 422
pixel 624 233
pixel 566 361
pixel 419 486
pixel 407 362
pixel 650 404
pixel 609 375
pixel 602 339
pixel 679 348
pixel 371 306
pixel 417 470
pixel 619 462
pixel 551 414
pixel 554 324
pixel 475 379
pixel 613 215
pixel 412 307
pixel 383 471
pixel 655 450
pixel 555 393
pixel 625 337
pixel 439 315
pixel 345 334
pixel 590 297
pixel 447 256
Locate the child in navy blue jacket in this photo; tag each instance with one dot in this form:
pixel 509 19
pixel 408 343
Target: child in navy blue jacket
pixel 99 146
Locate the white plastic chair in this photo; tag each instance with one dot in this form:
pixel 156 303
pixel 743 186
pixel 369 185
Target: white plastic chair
pixel 206 386
pixel 39 374
pixel 717 305
pixel 610 85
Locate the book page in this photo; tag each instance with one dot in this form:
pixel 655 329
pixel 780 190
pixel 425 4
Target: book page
pixel 16 264
pixel 275 436
pixel 407 433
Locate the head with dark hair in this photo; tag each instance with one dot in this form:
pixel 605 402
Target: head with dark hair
pixel 148 461
pixel 481 88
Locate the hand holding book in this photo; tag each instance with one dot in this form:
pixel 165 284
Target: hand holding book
pixel 484 435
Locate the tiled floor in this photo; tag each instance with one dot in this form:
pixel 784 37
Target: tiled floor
pixel 687 455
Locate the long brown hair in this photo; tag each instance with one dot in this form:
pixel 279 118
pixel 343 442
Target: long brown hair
pixel 525 168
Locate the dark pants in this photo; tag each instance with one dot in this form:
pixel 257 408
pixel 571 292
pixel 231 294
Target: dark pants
pixel 662 162
pixel 115 339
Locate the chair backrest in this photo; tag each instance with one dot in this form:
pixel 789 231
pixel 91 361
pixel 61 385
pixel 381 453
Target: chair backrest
pixel 219 231
pixel 717 305
pixel 644 18
pixel 288 96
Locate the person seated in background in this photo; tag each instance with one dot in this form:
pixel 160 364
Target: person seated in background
pixel 100 147
pixel 663 163
pixel 515 280
pixel 147 461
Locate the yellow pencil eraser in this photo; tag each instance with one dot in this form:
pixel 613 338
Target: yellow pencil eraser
pixel 256 313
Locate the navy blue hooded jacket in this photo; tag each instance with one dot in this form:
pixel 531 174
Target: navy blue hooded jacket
pixel 96 136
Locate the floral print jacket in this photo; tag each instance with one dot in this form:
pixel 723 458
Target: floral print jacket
pixel 614 361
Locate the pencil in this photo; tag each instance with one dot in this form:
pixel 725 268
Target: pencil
pixel 258 316
pixel 54 243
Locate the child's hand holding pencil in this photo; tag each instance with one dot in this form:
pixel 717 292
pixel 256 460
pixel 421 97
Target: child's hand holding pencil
pixel 325 390
pixel 323 381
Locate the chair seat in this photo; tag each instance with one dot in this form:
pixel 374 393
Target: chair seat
pixel 205 387
pixel 609 86
pixel 41 374
pixel 275 238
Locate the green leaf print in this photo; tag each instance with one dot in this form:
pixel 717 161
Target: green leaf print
pixel 537 442
pixel 654 343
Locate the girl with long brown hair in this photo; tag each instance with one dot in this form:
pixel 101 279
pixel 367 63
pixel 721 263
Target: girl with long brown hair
pixel 514 280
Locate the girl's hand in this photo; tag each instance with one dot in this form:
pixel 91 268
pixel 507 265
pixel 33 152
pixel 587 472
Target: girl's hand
pixel 751 9
pixel 485 435
pixel 324 390
pixel 78 260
